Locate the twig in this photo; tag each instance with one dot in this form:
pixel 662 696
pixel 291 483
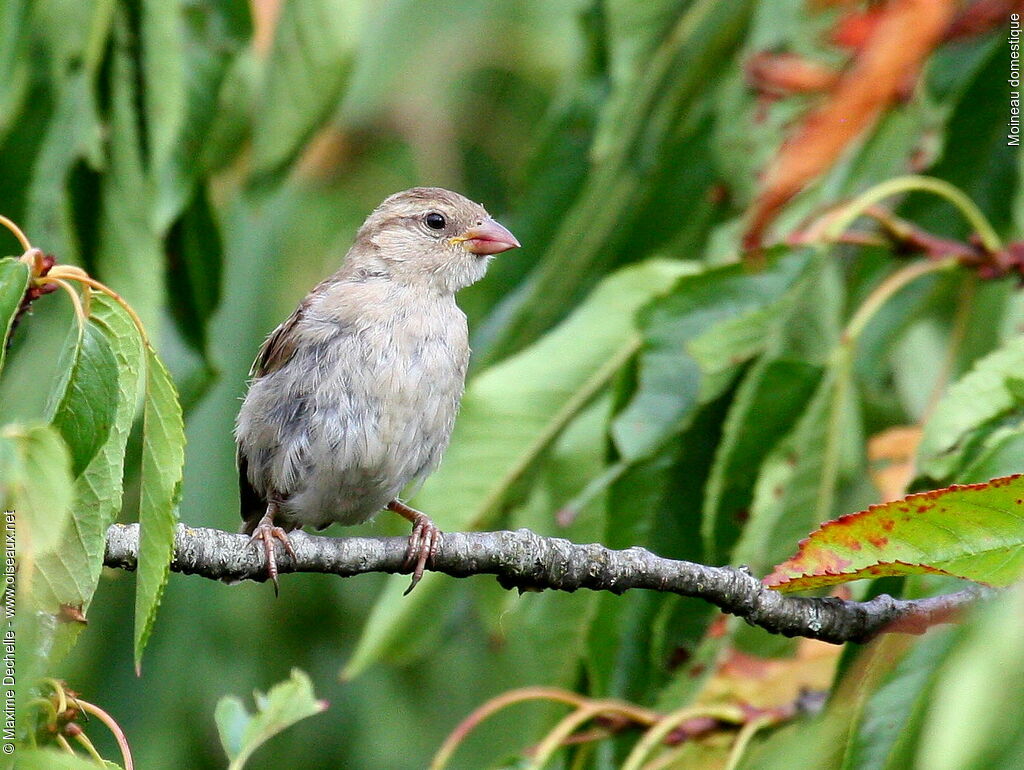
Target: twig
pixel 525 560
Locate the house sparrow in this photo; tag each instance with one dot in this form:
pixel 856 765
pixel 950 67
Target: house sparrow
pixel 354 396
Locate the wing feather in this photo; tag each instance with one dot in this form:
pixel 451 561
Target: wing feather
pixel 253 506
pixel 277 349
pixel 279 346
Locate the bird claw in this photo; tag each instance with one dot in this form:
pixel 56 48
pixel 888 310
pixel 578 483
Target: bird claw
pixel 423 541
pixel 267 532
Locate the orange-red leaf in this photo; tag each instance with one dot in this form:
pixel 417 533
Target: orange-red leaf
pixel 974 531
pixel 895 46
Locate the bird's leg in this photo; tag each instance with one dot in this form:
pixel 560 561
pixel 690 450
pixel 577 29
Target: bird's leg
pixel 267 532
pixel 423 541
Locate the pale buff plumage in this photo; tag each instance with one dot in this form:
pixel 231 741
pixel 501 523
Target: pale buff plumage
pixel 355 395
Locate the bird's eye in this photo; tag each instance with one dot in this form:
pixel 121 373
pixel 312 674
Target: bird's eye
pixel 435 221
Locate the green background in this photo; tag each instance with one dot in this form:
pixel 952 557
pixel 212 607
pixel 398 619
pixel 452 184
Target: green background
pixel 211 162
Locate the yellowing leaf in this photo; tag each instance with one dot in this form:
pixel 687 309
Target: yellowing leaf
pixel 974 531
pixel 772 682
pixel 891 454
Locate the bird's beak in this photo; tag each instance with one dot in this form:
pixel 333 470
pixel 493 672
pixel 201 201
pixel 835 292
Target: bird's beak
pixel 487 238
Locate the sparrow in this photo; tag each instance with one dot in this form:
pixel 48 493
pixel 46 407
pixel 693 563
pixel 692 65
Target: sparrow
pixel 353 398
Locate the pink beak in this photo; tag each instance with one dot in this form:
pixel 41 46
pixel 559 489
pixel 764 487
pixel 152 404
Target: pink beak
pixel 488 238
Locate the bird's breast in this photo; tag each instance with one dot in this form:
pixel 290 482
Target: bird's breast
pixel 384 410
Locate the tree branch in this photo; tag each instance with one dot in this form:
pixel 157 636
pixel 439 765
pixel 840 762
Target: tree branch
pixel 525 560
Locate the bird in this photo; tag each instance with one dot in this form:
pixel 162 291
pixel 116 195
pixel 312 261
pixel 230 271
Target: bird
pixel 353 398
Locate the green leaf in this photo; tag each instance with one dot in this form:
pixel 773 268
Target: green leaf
pixel 311 46
pixel 56 759
pixel 82 409
pixel 205 38
pixel 708 324
pixel 905 389
pixel 891 715
pixel 552 176
pixel 163 458
pixel 635 32
pixel 163 71
pixel 657 505
pixel 805 329
pixel 641 123
pixel 14 275
pixel 799 482
pixel 130 252
pixel 976 156
pixel 71 134
pixel 242 732
pixel 1001 454
pixel 982 395
pixel 379 67
pixel 35 482
pixel 69 574
pixel 195 258
pixel 164 74
pixel 769 401
pixel 513 410
pixel 74 33
pixel 14 67
pixel 967 724
pixel 871 712
pixel 544 633
pixel 510 414
pixel 233 113
pixel 618 659
pixel 974 532
pixel 66 576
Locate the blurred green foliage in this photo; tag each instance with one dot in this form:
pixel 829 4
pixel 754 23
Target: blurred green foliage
pixel 632 383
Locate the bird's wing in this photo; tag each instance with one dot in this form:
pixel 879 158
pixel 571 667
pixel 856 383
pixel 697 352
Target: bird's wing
pixel 253 506
pixel 278 348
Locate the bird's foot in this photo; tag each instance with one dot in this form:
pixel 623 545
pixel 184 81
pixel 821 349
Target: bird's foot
pixel 423 541
pixel 267 532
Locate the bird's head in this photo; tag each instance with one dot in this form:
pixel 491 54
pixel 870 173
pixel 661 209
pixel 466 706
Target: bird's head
pixel 432 237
